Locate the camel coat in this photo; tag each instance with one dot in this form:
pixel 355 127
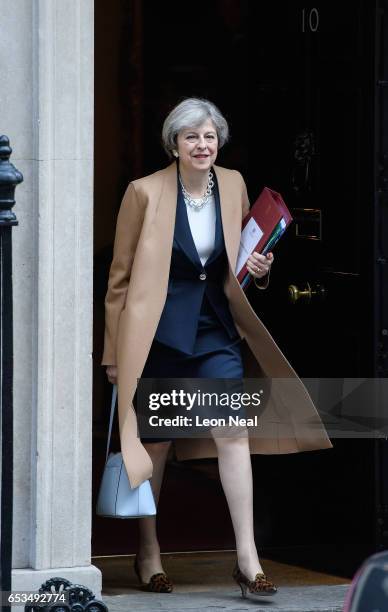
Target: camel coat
pixel 137 290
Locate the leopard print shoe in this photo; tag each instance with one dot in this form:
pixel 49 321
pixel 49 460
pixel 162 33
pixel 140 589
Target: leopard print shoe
pixel 259 586
pixel 159 582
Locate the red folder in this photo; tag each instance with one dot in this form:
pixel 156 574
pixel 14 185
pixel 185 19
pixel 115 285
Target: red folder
pixel 262 227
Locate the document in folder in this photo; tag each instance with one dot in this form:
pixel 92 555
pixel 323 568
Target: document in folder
pixel 262 227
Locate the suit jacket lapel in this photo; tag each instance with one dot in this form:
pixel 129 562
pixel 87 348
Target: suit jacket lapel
pixel 182 233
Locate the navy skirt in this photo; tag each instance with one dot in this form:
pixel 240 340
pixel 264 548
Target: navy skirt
pixel 222 361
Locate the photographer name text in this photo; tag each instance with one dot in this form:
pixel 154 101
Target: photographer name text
pixel 185 421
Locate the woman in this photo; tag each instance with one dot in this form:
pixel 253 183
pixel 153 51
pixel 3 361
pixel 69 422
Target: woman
pixel 174 308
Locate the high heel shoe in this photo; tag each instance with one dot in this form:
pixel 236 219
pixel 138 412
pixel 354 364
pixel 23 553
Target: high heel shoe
pixel 259 586
pixel 159 582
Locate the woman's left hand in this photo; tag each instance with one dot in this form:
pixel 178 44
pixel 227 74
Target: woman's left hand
pixel 259 265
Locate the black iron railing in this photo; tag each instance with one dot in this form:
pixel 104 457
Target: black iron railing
pixel 9 178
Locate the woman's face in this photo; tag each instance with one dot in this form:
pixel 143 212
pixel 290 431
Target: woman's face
pixel 198 147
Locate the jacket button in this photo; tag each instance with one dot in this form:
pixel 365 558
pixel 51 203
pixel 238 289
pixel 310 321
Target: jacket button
pixel 202 276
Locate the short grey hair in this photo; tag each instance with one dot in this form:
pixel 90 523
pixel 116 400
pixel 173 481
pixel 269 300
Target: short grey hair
pixel 191 113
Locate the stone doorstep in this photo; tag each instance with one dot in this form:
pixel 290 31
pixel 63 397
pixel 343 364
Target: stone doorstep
pixel 320 598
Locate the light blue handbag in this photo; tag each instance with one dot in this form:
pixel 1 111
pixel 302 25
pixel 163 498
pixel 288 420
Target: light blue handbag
pixel 116 498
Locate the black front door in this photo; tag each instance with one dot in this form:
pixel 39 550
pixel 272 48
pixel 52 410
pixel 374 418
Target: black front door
pixel 313 95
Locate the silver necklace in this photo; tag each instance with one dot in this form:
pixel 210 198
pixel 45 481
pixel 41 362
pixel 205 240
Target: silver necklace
pixel 198 203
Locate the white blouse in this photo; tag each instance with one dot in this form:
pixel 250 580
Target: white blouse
pixel 203 228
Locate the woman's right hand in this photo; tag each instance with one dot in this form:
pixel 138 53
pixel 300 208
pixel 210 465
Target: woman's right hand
pixel 111 372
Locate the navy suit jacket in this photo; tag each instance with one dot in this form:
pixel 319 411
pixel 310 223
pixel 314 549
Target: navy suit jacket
pixel 195 297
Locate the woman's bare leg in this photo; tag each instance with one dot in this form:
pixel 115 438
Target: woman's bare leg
pixel 235 468
pixel 149 551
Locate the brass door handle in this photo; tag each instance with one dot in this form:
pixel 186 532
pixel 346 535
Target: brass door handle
pixel 305 295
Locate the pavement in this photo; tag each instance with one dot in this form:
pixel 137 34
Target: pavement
pixel 312 598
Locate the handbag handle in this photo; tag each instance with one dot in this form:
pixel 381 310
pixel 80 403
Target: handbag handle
pixel 112 412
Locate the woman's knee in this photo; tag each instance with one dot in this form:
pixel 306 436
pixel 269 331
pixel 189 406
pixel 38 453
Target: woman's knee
pixel 234 441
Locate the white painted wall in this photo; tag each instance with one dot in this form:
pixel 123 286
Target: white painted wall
pixel 46 109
